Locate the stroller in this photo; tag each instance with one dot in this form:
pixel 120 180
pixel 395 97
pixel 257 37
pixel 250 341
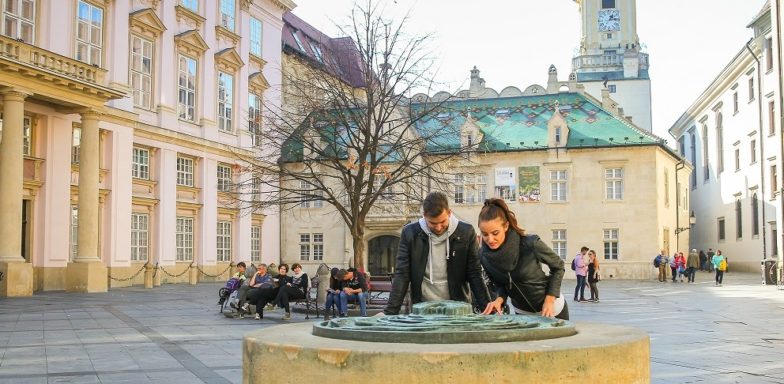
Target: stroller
pixel 228 293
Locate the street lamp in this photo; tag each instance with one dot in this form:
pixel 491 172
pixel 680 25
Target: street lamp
pixel 692 221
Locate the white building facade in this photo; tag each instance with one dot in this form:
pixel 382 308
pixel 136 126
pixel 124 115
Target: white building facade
pixel 731 134
pixel 130 116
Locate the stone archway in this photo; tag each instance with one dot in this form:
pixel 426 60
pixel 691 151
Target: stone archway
pixel 382 251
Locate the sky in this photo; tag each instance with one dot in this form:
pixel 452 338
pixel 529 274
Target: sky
pixel 513 42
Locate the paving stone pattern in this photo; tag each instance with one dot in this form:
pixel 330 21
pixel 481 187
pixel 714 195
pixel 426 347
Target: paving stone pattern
pixel 174 334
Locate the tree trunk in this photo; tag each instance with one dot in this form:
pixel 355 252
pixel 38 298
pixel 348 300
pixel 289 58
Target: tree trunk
pixel 358 241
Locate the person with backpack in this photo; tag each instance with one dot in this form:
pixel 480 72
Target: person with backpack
pixel 720 265
pixel 680 265
pixel 513 262
pixel 581 271
pixel 660 263
pixel 692 264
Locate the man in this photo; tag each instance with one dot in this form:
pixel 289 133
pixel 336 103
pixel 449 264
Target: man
pixel 692 263
pixel 353 287
pixel 710 259
pixel 438 259
pixel 663 265
pixel 581 271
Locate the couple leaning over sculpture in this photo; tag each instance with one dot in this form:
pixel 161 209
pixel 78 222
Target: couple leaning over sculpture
pixel 439 259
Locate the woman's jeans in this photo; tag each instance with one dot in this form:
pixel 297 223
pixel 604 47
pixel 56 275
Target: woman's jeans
pixel 333 300
pixel 345 297
pixel 719 276
pixel 580 287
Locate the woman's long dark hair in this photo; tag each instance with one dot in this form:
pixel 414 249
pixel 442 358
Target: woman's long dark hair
pixel 497 208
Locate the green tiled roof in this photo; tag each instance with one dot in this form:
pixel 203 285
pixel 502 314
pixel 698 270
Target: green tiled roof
pixel 518 123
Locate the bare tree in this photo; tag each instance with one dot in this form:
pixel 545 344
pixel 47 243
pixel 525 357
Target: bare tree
pixel 348 134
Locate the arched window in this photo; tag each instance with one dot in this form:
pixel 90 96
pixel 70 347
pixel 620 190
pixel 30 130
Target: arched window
pixel 719 143
pixel 738 220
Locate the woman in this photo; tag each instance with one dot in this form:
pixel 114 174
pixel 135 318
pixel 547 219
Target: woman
pixel 680 264
pixel 593 275
pixel 717 260
pixel 513 262
pixel 333 292
pixel 674 266
pixel 291 288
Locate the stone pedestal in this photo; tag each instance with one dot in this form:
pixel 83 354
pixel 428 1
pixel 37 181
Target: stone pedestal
pixel 599 353
pixel 148 271
pixel 86 277
pixel 17 279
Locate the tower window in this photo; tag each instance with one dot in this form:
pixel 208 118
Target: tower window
pixel 612 88
pixel 608 3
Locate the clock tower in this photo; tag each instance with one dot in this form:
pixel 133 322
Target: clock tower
pixel 610 57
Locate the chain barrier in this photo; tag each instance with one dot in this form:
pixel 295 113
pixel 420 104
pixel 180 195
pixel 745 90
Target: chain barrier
pixel 155 270
pixel 231 264
pixel 177 275
pixel 134 275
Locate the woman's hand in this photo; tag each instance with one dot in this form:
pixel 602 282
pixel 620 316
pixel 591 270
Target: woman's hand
pixel 494 306
pixel 547 307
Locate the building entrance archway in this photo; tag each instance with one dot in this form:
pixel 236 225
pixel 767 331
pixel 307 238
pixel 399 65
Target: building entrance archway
pixel 382 251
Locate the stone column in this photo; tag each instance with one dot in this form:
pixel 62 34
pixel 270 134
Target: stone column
pixel 87 272
pixel 17 275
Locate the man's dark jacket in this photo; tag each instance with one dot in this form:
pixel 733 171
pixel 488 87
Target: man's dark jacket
pixel 462 267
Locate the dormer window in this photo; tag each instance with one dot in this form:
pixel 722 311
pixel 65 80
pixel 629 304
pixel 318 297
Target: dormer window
pixel 502 112
pixel 558 135
pixel 608 4
pixel 442 116
pixel 470 140
pixel 317 52
pixel 299 42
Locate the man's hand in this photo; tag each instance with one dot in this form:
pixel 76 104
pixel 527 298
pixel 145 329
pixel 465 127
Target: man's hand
pixel 547 307
pixel 494 306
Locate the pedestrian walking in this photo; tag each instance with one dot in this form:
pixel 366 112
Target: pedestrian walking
pixel 710 259
pixel 680 265
pixel 703 260
pixel 581 271
pixel 692 263
pixel 720 265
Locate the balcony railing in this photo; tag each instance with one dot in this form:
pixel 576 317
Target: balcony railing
pixel 606 60
pixel 33 56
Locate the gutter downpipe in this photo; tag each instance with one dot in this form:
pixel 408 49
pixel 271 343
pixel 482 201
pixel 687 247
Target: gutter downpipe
pixel 780 251
pixel 762 151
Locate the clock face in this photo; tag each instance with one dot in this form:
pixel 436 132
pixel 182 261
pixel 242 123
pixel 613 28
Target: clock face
pixel 609 20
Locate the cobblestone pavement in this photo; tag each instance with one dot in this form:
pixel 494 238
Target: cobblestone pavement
pixel 174 334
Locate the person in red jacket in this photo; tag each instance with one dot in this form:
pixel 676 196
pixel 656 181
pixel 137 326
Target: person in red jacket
pixel 680 265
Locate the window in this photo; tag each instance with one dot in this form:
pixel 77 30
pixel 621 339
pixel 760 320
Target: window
pixel 255 244
pixel 769 54
pixel 225 101
pixel 705 160
pixel 721 229
pixel 754 215
pixel 771 118
pixel 737 159
pixel 774 239
pixel 184 239
pixel 304 246
pixel 318 246
pixel 611 244
pixel 76 141
pixel 613 180
pixel 140 166
pixel 185 171
pixel 19 20
pixel 608 3
pixel 141 72
pixel 558 135
pixel 559 243
pixel 682 146
pixel 255 36
pixel 751 89
pixel 719 142
pixel 74 230
pixel 753 153
pixel 89 33
pixel 735 102
pixel 558 185
pixel 317 52
pixel 774 186
pixel 470 188
pixel 298 41
pixel 304 199
pixel 193 5
pixel 139 236
pixel 738 219
pixel 388 193
pixel 224 178
pixel 223 245
pixel 186 98
pixel 693 156
pixel 666 187
pixel 227 13
pixel 255 189
pixel 612 88
pixel 254 119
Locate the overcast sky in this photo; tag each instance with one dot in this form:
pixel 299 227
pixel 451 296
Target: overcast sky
pixel 513 42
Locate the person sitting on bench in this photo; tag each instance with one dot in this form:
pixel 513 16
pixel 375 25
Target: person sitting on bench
pixel 353 287
pixel 291 288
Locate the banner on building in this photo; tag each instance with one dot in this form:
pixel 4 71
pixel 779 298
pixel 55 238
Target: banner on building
pixel 528 189
pixel 505 185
